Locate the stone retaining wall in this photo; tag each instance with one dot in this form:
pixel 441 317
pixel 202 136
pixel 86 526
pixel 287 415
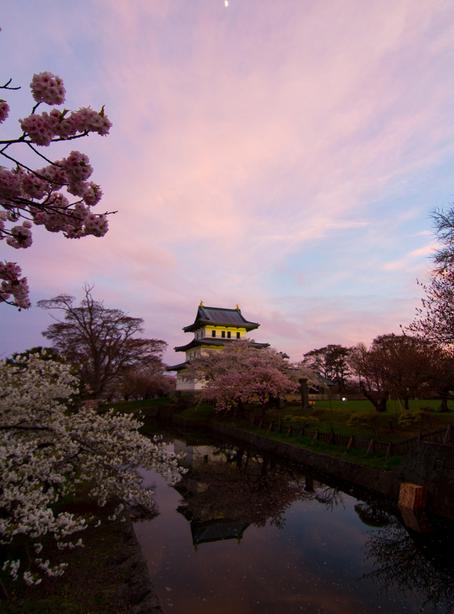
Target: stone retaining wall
pixel 137 591
pixel 431 465
pixel 385 483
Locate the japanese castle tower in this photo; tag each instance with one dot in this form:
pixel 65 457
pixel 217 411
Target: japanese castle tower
pixel 213 328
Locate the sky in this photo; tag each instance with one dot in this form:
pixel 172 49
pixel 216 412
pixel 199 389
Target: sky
pixel 281 155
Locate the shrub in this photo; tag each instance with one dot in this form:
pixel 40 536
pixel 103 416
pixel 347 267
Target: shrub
pixel 410 418
pixel 302 420
pixel 364 419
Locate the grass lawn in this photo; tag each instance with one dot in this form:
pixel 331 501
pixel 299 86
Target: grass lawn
pixel 359 418
pixel 198 413
pixel 393 405
pixel 350 418
pixel 360 457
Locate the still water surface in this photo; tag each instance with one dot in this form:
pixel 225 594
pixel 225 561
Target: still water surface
pixel 242 533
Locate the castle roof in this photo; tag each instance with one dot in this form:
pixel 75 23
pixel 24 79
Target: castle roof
pixel 216 530
pixel 217 342
pixel 219 316
pixel 179 367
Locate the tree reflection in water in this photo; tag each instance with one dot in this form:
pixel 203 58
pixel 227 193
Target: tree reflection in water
pixel 233 484
pixel 408 561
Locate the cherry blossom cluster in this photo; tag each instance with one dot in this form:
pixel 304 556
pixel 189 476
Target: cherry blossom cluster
pixel 4 110
pixel 242 374
pixel 58 196
pixel 43 128
pixel 48 88
pixel 48 452
pixel 13 287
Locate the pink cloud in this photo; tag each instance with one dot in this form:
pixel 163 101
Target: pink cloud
pixel 241 137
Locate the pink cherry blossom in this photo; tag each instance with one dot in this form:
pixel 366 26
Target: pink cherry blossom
pixel 4 110
pixel 10 184
pixel 20 237
pixel 92 194
pixel 40 196
pixel 77 166
pixel 13 287
pixel 40 127
pixel 242 374
pixel 34 187
pixel 48 88
pixel 96 225
pixel 84 120
pixel 55 174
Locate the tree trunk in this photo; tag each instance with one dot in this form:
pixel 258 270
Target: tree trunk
pixel 309 483
pixel 379 402
pixel 239 410
pixel 274 401
pixel 264 467
pixel 239 458
pixel 444 403
pixel 304 393
pixel 382 404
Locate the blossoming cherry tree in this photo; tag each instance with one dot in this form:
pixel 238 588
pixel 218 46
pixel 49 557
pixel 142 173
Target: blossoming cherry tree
pixel 57 195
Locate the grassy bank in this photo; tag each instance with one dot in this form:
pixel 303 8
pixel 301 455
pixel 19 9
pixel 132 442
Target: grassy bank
pixel 374 461
pixel 357 419
pixel 351 418
pixel 93 581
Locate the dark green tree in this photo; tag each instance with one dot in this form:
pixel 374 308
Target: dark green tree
pixel 331 362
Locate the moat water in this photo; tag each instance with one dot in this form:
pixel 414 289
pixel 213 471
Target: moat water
pixel 243 533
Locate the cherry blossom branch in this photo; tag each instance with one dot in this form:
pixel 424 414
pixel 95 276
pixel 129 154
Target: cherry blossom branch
pixel 17 427
pixel 9 142
pixel 39 196
pixel 37 472
pixel 6 86
pixel 38 153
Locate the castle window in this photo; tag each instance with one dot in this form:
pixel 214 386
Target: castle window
pixel 213 333
pixel 229 334
pixel 223 333
pixel 238 335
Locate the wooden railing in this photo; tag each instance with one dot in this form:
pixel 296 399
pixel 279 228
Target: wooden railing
pixel 444 436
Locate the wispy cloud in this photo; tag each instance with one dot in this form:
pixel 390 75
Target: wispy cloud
pixel 245 140
pixel 411 260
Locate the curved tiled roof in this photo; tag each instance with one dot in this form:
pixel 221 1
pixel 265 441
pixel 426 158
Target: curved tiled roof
pixel 219 316
pixel 219 342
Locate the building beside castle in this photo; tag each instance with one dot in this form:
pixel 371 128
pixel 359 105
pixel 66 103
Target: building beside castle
pixel 213 328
